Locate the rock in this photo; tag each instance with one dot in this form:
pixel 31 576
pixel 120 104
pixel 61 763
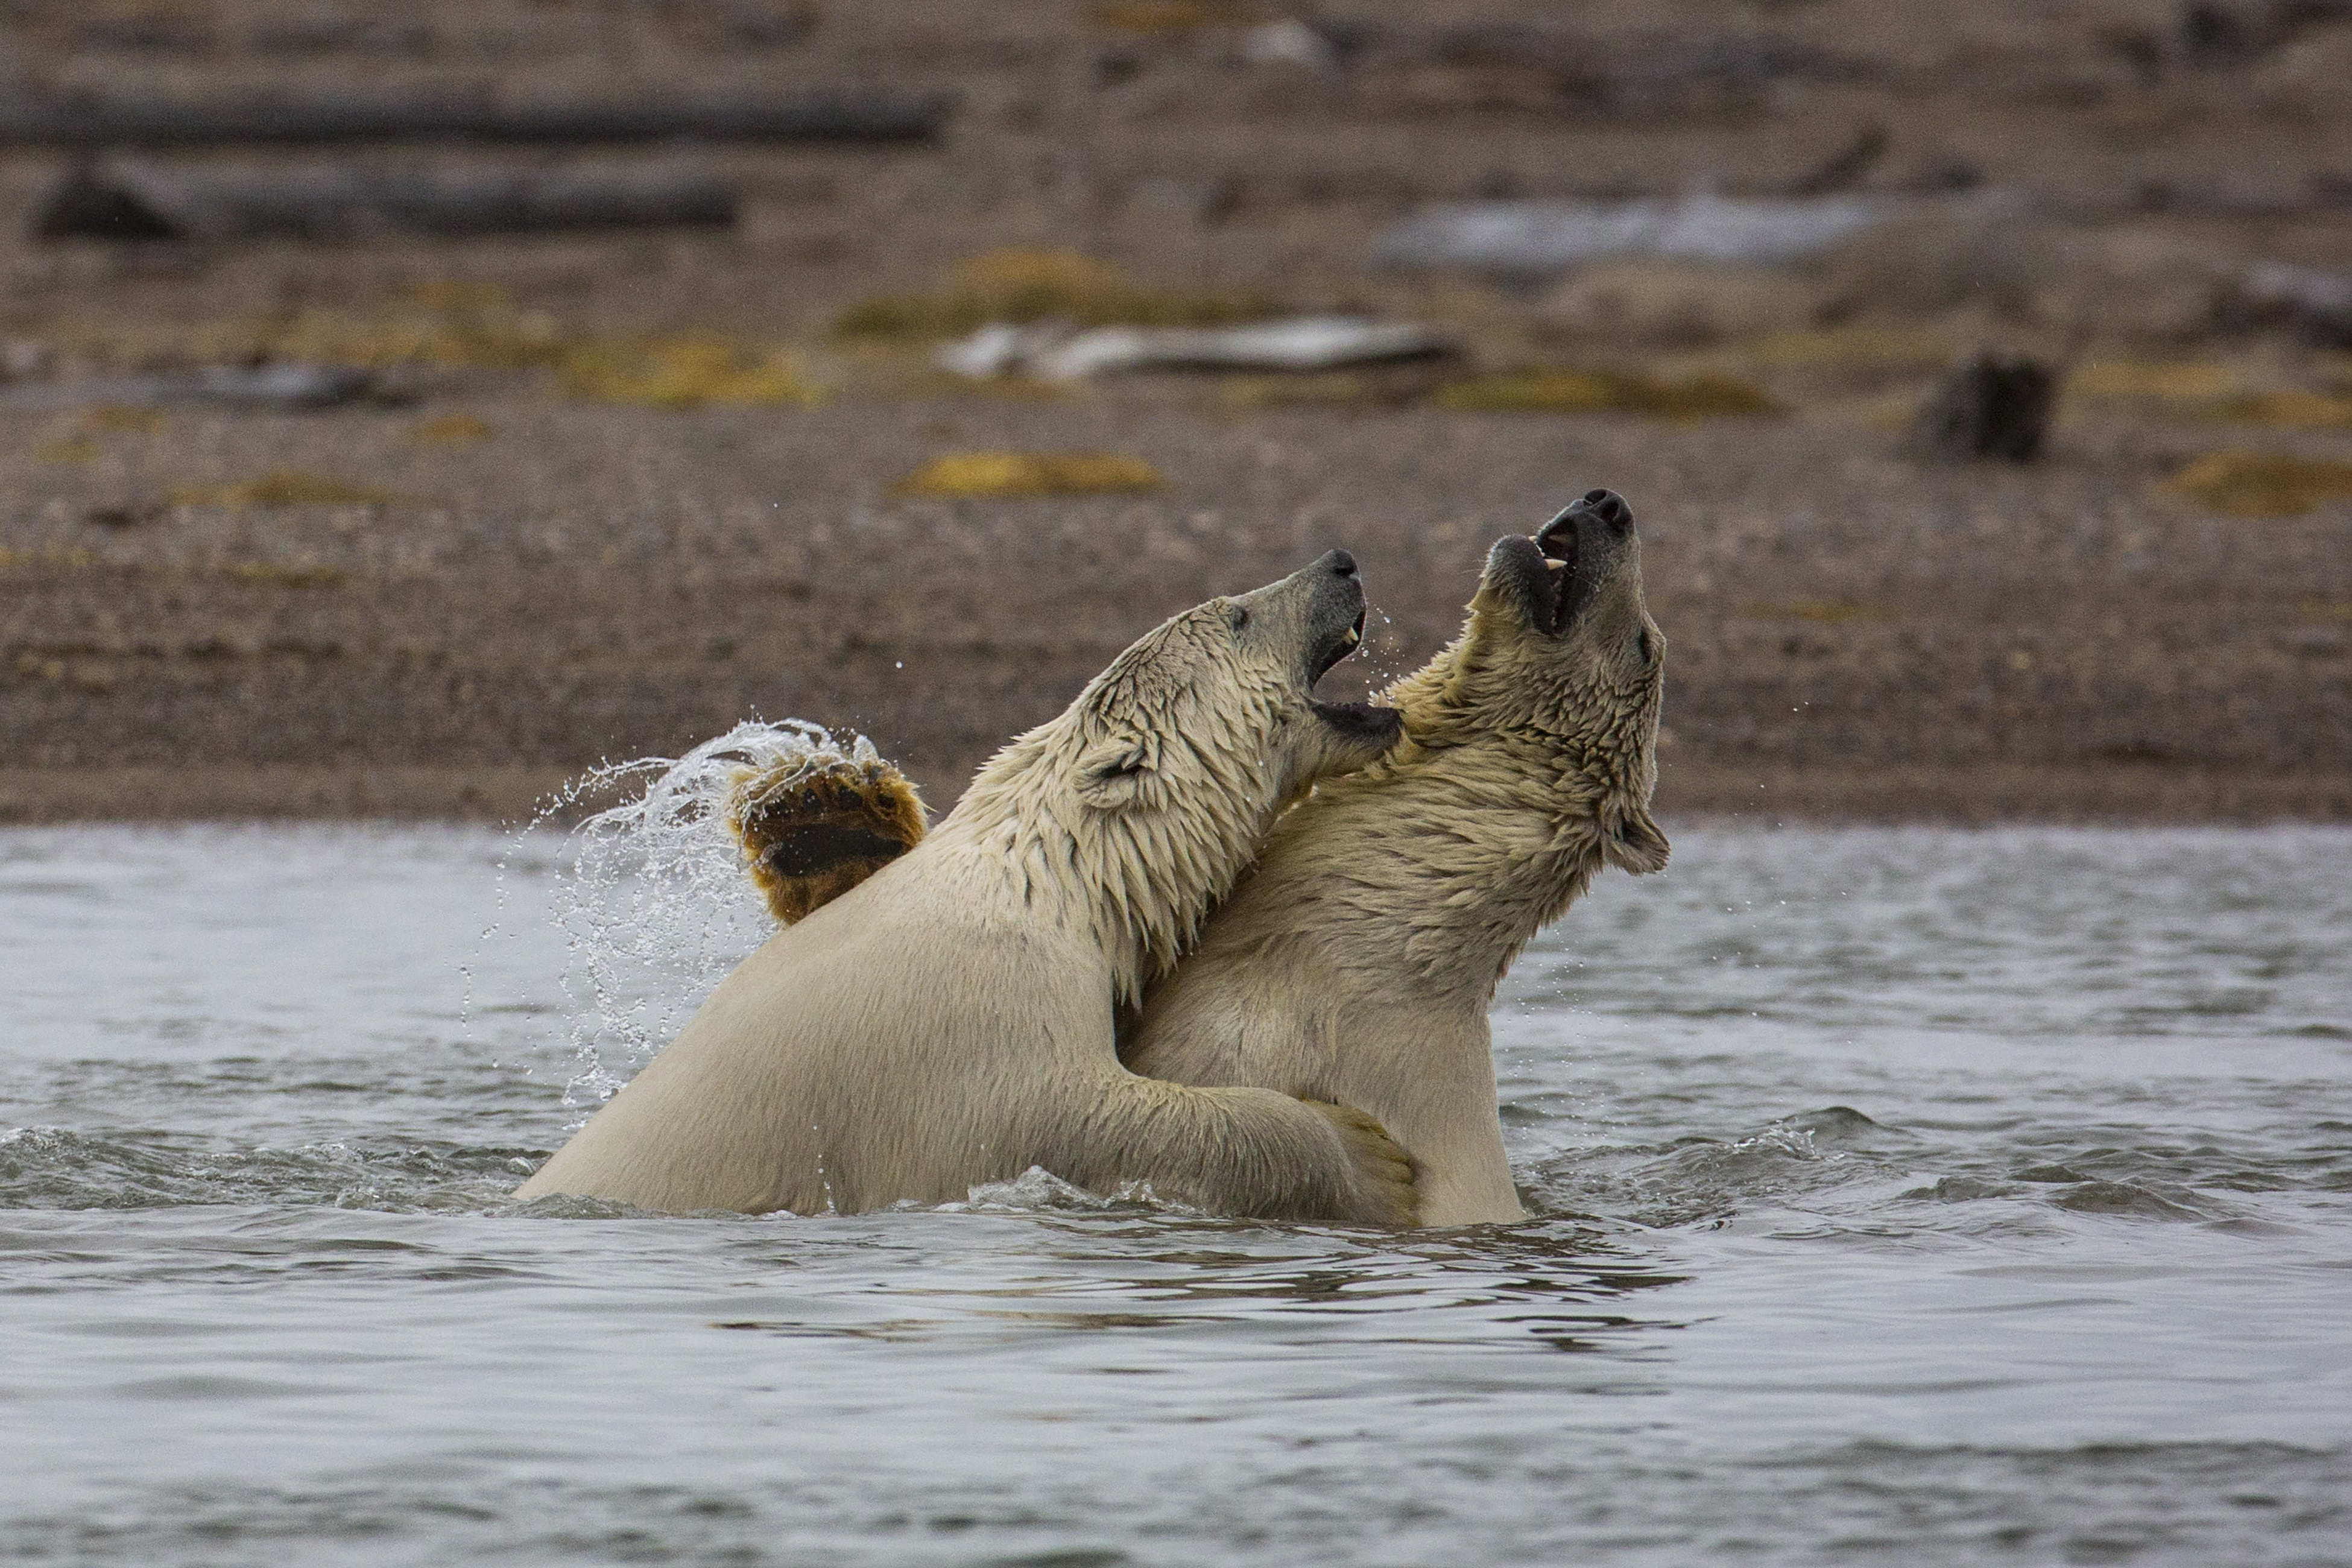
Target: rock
pixel 1992 405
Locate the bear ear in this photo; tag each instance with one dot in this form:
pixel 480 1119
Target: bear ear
pixel 1113 770
pixel 1637 846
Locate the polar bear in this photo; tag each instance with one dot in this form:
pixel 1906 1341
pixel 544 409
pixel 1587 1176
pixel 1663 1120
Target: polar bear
pixel 951 1021
pixel 1357 962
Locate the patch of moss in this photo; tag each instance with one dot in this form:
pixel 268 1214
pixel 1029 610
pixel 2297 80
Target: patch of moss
pixel 451 430
pixel 1029 475
pixel 2241 483
pixel 2203 390
pixel 283 487
pixel 685 373
pixel 1859 346
pixel 124 418
pixel 2292 410
pixel 2173 380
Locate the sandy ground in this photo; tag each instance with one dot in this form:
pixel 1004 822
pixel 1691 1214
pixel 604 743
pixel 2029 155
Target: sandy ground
pixel 448 605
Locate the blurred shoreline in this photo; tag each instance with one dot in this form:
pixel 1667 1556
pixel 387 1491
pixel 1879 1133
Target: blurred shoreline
pixel 550 498
pixel 2090 796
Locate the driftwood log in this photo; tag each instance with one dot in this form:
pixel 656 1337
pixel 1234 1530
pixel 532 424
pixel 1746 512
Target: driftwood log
pixel 131 201
pixel 94 122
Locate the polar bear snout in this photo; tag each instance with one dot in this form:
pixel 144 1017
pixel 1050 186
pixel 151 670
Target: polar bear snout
pixel 1554 576
pixel 1310 620
pixel 1336 619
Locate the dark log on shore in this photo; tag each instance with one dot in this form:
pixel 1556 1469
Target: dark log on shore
pixel 99 122
pixel 263 389
pixel 127 201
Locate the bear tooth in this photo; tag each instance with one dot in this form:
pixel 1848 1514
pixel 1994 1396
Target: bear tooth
pixel 1550 566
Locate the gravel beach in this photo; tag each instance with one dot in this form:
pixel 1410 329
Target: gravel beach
pixel 507 560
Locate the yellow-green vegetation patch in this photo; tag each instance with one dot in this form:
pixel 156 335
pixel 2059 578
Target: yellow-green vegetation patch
pixel 2327 609
pixel 2206 390
pixel 2304 410
pixel 1026 475
pixel 1859 346
pixel 1042 285
pixel 1607 391
pixel 121 418
pixel 76 440
pixel 282 488
pixel 1821 612
pixel 2166 380
pixel 451 430
pixel 2243 483
pixel 686 372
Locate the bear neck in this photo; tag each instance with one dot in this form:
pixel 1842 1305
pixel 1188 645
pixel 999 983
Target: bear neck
pixel 1138 881
pixel 1429 872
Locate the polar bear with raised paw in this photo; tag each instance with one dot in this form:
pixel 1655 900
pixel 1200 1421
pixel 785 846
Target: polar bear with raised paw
pixel 950 1021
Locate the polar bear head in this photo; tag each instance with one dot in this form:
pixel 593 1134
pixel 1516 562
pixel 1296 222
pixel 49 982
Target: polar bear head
pixel 1561 665
pixel 1147 798
pixel 1218 702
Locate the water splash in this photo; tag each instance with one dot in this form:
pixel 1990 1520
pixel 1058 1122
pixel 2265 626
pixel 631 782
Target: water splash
pixel 653 895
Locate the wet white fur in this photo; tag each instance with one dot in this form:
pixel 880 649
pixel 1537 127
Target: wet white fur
pixel 1357 962
pixel 950 1022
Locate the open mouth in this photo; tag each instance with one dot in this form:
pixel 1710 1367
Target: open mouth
pixel 1562 565
pixel 1357 720
pixel 1340 646
pixel 1556 596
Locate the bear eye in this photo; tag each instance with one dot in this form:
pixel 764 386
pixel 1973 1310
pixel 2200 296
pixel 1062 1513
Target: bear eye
pixel 1238 616
pixel 1649 648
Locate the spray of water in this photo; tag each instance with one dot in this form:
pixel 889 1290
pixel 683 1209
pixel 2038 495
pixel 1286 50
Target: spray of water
pixel 653 896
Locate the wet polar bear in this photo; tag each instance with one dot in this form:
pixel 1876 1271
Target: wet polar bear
pixel 1356 961
pixel 951 1021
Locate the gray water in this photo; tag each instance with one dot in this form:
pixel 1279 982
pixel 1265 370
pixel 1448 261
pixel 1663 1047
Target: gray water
pixel 1905 1197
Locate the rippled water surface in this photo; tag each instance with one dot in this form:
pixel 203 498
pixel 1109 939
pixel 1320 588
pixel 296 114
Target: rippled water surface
pixel 1904 1196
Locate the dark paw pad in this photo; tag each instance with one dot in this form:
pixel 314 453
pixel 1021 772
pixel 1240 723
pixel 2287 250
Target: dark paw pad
pixel 812 830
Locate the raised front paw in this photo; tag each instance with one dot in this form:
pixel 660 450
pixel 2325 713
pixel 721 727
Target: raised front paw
pixel 817 827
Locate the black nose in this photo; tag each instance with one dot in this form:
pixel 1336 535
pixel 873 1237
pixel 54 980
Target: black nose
pixel 1343 563
pixel 1608 507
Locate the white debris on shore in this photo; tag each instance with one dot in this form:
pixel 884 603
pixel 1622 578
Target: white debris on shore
pixel 1057 351
pixel 1539 238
